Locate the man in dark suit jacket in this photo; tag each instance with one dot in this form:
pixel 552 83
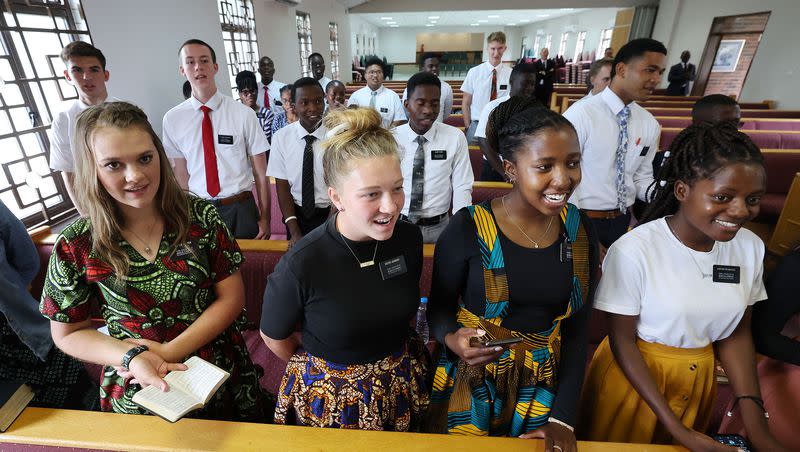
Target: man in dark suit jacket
pixel 680 75
pixel 545 73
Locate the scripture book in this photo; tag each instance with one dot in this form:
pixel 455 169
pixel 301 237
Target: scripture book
pixel 14 397
pixel 189 390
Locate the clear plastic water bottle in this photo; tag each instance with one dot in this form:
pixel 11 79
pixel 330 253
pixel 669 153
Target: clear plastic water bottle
pixel 422 320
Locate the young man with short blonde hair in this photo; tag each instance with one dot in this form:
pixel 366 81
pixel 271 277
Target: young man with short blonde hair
pixel 485 82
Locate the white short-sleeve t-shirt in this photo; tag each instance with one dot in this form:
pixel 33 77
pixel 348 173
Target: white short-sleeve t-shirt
pixel 648 272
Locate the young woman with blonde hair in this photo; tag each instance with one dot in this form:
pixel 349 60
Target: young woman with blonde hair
pixel 353 286
pixel 162 265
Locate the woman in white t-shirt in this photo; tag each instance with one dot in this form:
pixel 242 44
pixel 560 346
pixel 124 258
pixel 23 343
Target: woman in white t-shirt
pixel 676 288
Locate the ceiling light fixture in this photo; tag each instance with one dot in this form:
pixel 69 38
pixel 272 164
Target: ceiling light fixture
pixel 524 20
pixel 483 21
pixel 473 25
pixel 543 15
pixel 493 16
pixel 394 26
pixel 428 25
pixel 433 17
pixel 511 24
pixel 386 18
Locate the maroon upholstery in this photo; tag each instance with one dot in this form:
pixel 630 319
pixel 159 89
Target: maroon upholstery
pixel 276 225
pixel 773 125
pixel 764 140
pixel 677 123
pixel 476 160
pixel 480 194
pixel 455 121
pixel 795 114
pixel 257 266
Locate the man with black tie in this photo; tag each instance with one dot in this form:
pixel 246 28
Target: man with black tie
pixel 546 69
pixel 680 75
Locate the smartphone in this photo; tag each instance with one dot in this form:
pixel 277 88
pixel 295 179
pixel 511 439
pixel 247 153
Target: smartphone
pixel 733 440
pixel 503 342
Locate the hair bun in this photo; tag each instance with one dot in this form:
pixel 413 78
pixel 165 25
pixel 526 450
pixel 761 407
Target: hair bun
pixel 352 122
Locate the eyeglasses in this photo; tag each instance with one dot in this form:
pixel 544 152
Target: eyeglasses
pixel 248 92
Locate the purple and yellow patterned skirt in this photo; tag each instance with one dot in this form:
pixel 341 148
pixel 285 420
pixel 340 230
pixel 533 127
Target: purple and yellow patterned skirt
pixel 389 394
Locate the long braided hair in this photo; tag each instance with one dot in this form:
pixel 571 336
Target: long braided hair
pixel 697 153
pixel 511 122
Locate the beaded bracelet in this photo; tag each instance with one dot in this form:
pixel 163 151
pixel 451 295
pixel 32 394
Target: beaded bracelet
pixel 758 401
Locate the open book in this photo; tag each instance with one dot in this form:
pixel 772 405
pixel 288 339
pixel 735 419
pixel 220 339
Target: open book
pixel 14 397
pixel 188 390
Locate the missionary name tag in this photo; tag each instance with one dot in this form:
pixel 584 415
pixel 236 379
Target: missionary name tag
pixel 225 139
pixel 503 86
pixel 644 151
pixel 395 266
pixel 439 154
pixel 384 110
pixel 726 274
pixel 565 251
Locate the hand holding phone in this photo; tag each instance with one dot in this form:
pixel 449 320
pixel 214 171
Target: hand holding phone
pixel 483 341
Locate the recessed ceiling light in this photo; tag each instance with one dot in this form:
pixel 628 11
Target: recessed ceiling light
pixel 473 25
pixel 386 18
pixel 524 20
pixel 394 26
pixel 567 9
pixel 428 25
pixel 511 24
pixel 483 21
pixel 543 15
pixel 433 17
pixel 391 23
pixel 493 16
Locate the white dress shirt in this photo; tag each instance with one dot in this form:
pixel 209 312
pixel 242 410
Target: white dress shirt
pixel 274 89
pixel 649 273
pixel 323 82
pixel 445 101
pixel 448 173
pixel 478 82
pixel 387 102
pixel 61 132
pixel 595 120
pixel 237 137
pixel 483 119
pixel 286 161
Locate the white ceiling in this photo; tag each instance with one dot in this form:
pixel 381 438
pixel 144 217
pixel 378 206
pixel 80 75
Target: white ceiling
pixel 504 18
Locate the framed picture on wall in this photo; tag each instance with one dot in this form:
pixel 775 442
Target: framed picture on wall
pixel 728 54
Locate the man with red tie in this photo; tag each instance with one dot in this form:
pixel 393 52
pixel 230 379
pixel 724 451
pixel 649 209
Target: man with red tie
pixel 269 89
pixel 217 147
pixel 485 82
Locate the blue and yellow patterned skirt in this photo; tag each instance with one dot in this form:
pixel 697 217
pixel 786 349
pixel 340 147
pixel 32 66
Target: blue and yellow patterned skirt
pixel 389 394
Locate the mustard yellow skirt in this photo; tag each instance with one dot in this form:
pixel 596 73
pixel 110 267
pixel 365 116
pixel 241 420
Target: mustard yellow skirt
pixel 613 411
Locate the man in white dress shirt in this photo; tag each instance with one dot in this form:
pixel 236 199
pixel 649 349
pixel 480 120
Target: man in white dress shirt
pixel 485 82
pixel 217 147
pixel 618 139
pixel 377 96
pixel 296 163
pixel 430 63
pixel 86 71
pixel 523 83
pixel 434 161
pixel 317 64
pixel 269 89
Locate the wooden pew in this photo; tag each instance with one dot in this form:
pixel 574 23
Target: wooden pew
pixel 679 103
pixel 787 229
pixel 106 431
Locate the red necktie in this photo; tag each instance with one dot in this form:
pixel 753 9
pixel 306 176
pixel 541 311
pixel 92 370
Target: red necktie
pixel 209 155
pixel 493 96
pixel 266 98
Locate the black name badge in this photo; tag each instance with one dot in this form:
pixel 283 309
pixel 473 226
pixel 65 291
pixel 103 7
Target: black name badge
pixel 225 139
pixel 565 251
pixel 384 110
pixel 728 274
pixel 395 266
pixel 644 151
pixel 503 86
pixel 439 154
pixel 182 252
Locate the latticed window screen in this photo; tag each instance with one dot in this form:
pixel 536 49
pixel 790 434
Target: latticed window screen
pixel 239 35
pixel 334 46
pixel 32 90
pixel 562 47
pixel 605 41
pixel 579 46
pixel 549 43
pixel 304 40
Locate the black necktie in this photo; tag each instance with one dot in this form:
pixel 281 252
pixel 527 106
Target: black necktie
pixel 308 177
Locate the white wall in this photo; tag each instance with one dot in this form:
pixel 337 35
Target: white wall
pixel 592 22
pixel 684 25
pixel 141 47
pixel 277 35
pixel 362 27
pixel 400 44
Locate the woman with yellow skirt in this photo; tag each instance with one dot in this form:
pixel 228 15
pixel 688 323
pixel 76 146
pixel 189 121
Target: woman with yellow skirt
pixel 678 287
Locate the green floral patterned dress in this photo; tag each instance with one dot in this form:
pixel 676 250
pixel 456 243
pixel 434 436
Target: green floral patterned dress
pixel 158 302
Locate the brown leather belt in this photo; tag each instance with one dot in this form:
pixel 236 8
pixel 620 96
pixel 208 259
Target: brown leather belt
pixel 604 214
pixel 232 199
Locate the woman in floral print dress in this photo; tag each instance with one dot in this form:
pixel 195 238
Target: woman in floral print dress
pixel 180 293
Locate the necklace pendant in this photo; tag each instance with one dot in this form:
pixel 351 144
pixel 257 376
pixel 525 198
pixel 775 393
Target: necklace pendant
pixel 366 264
pixel 147 249
pixel 536 245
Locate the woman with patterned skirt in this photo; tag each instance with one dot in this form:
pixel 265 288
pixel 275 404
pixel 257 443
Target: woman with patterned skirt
pixel 26 348
pixel 519 267
pixel 352 285
pixel 161 266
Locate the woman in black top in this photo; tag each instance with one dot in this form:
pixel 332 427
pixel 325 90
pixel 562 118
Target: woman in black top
pixel 353 287
pixel 520 266
pixel 776 334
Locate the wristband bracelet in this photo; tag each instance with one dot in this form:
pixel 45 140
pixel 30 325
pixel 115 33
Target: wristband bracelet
pixel 286 221
pixel 757 400
pixel 133 353
pixel 562 423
